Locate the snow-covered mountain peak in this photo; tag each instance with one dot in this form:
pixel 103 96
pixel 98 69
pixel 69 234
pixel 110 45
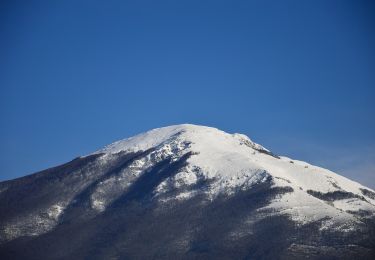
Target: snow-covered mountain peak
pixel 232 162
pixel 192 177
pixel 183 132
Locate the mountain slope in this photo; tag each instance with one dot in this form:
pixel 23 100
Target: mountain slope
pixel 186 191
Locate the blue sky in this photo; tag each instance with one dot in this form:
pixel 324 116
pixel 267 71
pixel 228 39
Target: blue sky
pixel 295 76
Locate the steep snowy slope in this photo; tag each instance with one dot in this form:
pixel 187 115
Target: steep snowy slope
pixel 193 177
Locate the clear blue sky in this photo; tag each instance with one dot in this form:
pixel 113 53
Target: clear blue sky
pixel 296 76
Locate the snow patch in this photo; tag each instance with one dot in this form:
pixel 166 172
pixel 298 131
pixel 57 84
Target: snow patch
pixel 33 224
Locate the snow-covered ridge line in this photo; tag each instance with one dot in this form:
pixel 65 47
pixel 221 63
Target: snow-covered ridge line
pixel 157 136
pixel 233 153
pixel 234 162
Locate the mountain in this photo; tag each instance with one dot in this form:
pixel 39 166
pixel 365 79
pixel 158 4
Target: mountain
pixel 186 192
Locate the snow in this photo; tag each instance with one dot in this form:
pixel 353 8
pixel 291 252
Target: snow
pixel 354 204
pixel 33 224
pixel 235 162
pixel 225 163
pixel 303 208
pixel 55 211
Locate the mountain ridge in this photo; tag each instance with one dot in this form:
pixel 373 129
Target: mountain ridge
pixel 207 170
